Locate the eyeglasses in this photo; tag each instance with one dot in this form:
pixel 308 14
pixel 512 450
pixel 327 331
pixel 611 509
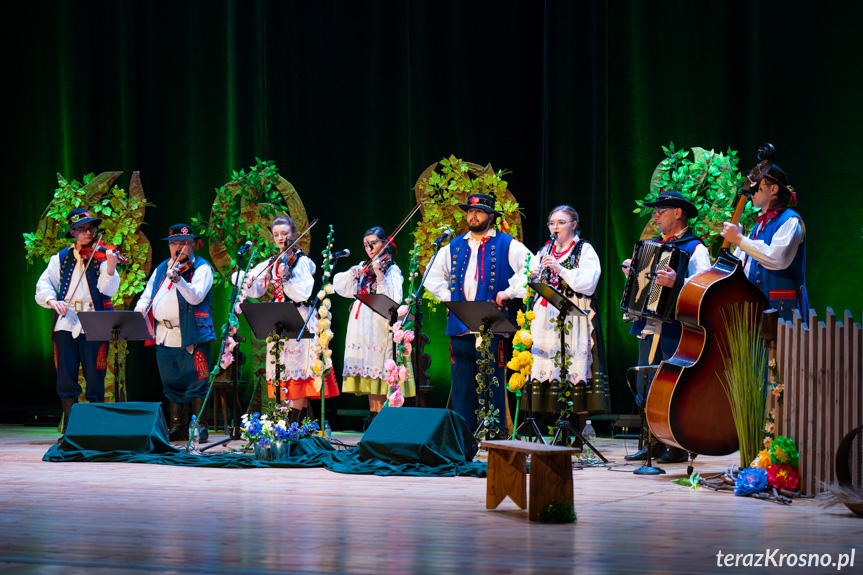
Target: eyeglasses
pixel 659 211
pixel 558 223
pixel 84 228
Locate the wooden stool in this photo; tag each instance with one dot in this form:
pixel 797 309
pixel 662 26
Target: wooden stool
pixel 550 475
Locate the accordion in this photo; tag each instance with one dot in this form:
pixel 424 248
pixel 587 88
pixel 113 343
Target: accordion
pixel 643 298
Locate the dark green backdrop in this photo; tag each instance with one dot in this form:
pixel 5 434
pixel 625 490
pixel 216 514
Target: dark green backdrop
pixel 354 99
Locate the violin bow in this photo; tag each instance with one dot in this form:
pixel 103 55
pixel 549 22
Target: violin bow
pixel 156 291
pixel 394 234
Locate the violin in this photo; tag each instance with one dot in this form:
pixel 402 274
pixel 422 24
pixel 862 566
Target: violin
pixel 182 263
pixel 288 258
pixel 98 250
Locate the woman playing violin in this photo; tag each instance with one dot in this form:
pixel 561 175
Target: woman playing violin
pixel 290 278
pixel 369 339
pixel 71 284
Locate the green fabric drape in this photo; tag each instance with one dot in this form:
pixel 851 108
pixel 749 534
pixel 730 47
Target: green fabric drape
pixel 308 452
pixel 354 99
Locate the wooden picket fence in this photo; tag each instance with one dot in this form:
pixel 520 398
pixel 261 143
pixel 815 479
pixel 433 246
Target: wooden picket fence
pixel 820 364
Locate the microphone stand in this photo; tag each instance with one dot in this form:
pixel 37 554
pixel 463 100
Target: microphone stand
pixel 312 309
pixel 232 321
pixel 415 296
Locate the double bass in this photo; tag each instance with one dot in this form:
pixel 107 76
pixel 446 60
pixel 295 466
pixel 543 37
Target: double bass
pixel 687 405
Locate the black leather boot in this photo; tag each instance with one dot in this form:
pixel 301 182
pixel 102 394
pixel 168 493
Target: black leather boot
pixel 657 450
pixel 204 434
pixel 67 402
pixel 178 429
pixel 674 455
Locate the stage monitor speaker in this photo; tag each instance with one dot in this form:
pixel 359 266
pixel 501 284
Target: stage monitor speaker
pixel 418 435
pixel 135 426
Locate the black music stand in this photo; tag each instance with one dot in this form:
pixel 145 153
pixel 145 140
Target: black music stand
pixel 478 314
pixel 566 307
pixel 281 318
pixel 384 306
pixel 114 326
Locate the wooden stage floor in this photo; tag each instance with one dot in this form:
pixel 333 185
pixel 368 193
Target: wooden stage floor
pixel 100 518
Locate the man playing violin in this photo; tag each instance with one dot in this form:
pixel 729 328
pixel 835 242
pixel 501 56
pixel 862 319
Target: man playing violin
pixel 178 295
pixel 483 264
pixel 72 283
pixel 774 254
pixel 671 215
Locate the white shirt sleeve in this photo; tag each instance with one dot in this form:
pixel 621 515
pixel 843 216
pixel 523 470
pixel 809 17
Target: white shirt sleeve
pixel 585 277
pixel 144 300
pixel 108 284
pixel 518 258
pixel 298 287
pixel 437 281
pixel 699 262
pixel 49 282
pixel 195 292
pixel 392 286
pixel 259 286
pixel 345 284
pixel 780 252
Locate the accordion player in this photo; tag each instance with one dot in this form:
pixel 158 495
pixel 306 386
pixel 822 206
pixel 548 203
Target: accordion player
pixel 645 299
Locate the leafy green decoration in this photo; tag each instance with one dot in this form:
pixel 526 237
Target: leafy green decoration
pixel 693 481
pixel 448 185
pixel 709 180
pixel 252 196
pixel 558 513
pixel 486 412
pixel 121 214
pixel 560 360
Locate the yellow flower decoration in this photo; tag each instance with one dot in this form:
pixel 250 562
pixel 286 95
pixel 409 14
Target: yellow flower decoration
pixel 780 455
pixel 523 336
pixel 762 460
pixel 530 316
pixel 519 318
pixel 516 381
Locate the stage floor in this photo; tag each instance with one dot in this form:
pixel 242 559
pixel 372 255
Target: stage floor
pixel 134 518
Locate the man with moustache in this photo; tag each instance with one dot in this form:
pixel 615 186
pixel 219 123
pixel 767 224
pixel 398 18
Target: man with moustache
pixel 178 296
pixel 481 265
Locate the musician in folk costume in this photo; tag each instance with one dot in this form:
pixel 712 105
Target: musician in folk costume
pixel 774 253
pixel 290 278
pixel 483 264
pixel 369 339
pixel 177 297
pixel 671 215
pixel 69 285
pixel 571 265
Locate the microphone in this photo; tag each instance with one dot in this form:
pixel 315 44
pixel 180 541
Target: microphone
pixel 341 254
pixel 244 248
pixel 446 235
